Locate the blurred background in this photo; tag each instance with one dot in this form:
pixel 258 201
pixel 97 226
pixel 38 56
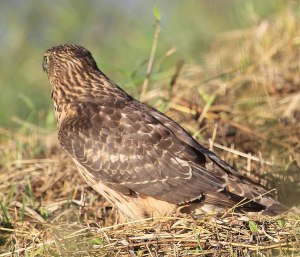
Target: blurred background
pixel 119 34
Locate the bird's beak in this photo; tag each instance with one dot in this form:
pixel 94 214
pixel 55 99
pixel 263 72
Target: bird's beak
pixel 44 67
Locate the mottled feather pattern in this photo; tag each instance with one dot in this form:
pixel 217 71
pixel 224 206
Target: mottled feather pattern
pixel 127 147
pixel 138 158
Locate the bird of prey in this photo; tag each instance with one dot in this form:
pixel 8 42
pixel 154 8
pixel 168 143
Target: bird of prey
pixel 139 159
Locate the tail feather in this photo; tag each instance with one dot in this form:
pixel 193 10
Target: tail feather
pixel 256 194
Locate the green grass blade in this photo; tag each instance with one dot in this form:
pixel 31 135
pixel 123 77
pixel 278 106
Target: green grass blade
pixel 6 216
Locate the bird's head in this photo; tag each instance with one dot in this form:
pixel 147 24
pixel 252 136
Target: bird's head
pixel 73 74
pixel 62 60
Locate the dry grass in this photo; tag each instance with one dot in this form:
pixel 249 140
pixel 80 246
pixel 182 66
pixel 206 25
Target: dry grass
pixel 57 214
pixel 244 105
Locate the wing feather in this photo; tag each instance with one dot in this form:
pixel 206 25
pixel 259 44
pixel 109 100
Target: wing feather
pixel 125 145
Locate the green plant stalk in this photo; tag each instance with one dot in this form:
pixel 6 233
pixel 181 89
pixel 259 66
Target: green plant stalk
pixel 198 240
pixel 5 215
pixel 11 193
pixel 153 50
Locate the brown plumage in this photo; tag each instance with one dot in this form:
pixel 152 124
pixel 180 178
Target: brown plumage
pixel 139 159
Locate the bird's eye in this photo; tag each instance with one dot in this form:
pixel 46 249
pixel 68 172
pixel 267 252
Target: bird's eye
pixel 45 63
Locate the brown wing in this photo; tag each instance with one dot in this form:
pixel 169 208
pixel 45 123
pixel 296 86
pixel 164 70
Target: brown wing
pixel 238 188
pixel 182 135
pixel 121 144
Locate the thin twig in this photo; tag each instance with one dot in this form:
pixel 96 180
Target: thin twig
pixel 150 63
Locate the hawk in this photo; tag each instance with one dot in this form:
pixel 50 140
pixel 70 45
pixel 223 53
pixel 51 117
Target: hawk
pixel 139 159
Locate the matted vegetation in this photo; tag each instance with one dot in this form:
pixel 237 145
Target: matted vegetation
pixel 244 105
pixel 47 209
